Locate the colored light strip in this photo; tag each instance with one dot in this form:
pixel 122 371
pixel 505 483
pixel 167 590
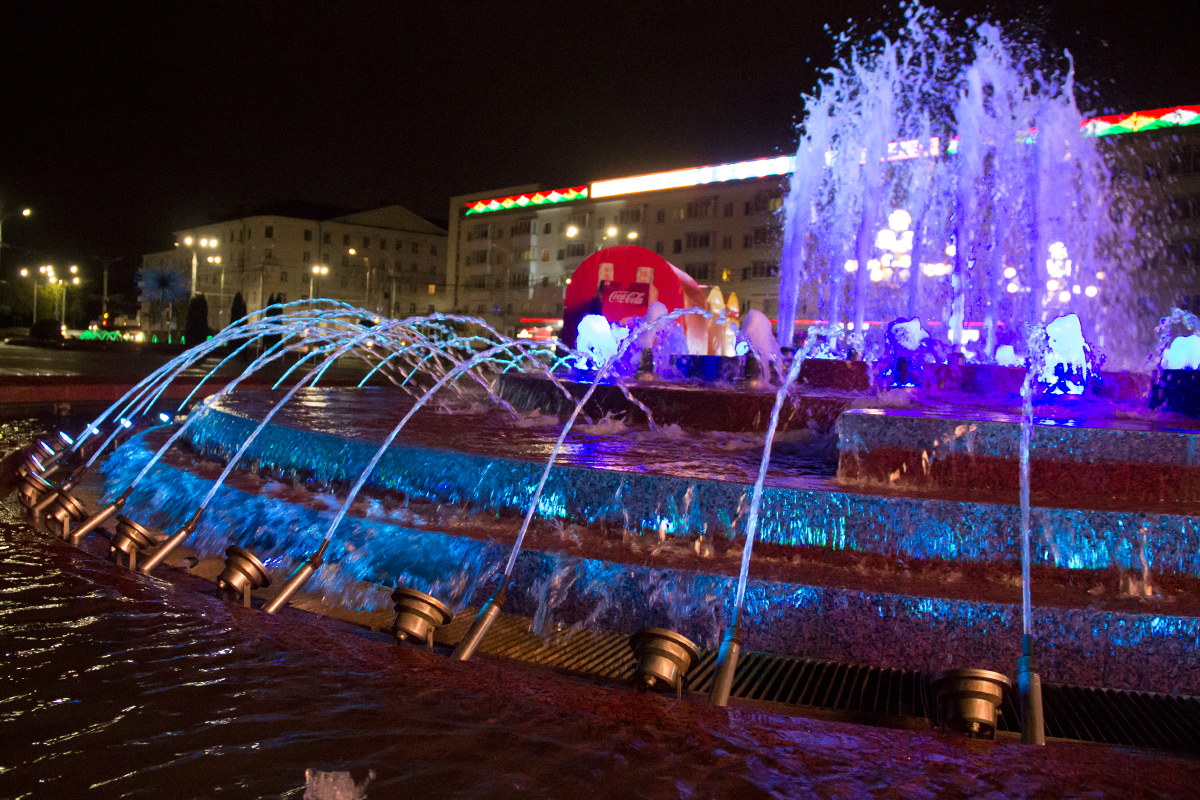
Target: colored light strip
pixel 523 200
pixel 695 176
pixel 1173 117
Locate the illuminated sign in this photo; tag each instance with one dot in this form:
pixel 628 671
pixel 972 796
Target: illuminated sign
pixel 1173 117
pixel 523 200
pixel 695 176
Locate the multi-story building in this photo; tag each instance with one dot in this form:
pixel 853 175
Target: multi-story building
pixel 511 251
pixel 387 260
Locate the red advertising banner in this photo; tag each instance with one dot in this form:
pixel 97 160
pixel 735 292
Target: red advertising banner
pixel 621 299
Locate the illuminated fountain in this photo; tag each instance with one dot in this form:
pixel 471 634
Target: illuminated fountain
pixel 908 528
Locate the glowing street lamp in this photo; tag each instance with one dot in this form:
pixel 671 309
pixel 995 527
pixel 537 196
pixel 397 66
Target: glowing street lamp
pixel 24 212
pixel 318 269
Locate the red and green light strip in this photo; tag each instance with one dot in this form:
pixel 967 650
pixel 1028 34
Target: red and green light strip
pixel 1173 117
pixel 523 200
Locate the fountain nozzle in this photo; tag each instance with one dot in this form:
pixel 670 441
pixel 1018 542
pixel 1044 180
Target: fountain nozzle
pixel 170 544
pixel 727 658
pixel 481 624
pixel 100 517
pixel 663 656
pixel 298 579
pixel 1029 687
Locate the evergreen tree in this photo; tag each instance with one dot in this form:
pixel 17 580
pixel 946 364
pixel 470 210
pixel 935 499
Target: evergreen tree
pixel 197 321
pixel 238 309
pixel 271 341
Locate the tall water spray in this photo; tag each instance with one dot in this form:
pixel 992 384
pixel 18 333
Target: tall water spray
pixel 948 177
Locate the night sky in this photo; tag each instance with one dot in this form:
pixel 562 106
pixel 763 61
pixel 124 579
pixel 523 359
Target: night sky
pixel 122 121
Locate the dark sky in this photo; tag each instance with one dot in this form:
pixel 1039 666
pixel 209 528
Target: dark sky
pixel 121 121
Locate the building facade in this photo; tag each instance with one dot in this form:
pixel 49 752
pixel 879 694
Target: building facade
pixel 511 251
pixel 388 260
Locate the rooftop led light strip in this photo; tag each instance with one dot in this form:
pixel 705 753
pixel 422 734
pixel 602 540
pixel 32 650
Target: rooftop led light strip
pixel 1176 116
pixel 695 176
pixel 523 200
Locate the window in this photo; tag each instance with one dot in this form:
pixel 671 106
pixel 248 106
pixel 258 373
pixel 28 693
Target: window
pixel 578 220
pixel 725 275
pixel 658 247
pixel 345 282
pixel 308 234
pixel 412 308
pixel 761 269
pixel 727 243
pixel 764 235
pixel 576 250
pixel 433 269
pixel 281 297
pixel 729 209
pixel 366 243
pixel 269 231
pixel 477 257
pixel 433 288
pixel 325 258
pixel 383 244
pixel 415 245
pixel 282 276
pixel 767 202
pixel 747 241
pixel 546 229
pixel 749 208
pixel 561 254
pixel 699 209
pixel 545 281
pixel 241 236
pixel 661 216
pixel 697 241
pixel 600 223
pixel 431 309
pixel 629 216
pixel 433 249
pixel 700 272
pixel 327 238
pixel 522 227
pixel 415 268
pixel 678 246
pixel 545 254
pixel 307 257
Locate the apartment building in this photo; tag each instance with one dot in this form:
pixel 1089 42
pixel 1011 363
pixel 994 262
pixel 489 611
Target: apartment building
pixel 511 251
pixel 387 260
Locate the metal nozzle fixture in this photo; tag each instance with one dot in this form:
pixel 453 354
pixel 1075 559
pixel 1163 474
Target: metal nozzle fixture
pixel 417 615
pixel 171 543
pixel 663 657
pixel 966 701
pixel 130 538
pixel 481 624
pixel 1029 687
pixel 243 573
pixel 99 518
pixel 299 577
pixel 31 463
pixel 61 511
pixel 727 658
pixel 32 489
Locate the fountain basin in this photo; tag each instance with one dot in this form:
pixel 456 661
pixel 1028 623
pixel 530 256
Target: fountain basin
pixel 1083 642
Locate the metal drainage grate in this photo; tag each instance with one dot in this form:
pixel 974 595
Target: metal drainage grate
pixel 892 697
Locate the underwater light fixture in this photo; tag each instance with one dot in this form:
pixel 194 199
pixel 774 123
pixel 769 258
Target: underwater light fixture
pixel 31 463
pixel 130 538
pixel 663 656
pixel 1029 688
pixel 62 510
pixel 293 584
pixel 481 624
pixel 417 615
pixel 171 543
pixel 243 573
pixel 31 489
pixel 966 701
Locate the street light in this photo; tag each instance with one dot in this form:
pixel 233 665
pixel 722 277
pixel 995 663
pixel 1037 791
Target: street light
pixel 318 269
pixel 24 212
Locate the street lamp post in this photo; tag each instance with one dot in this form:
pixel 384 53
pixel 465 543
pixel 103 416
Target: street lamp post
pixel 318 269
pixel 24 212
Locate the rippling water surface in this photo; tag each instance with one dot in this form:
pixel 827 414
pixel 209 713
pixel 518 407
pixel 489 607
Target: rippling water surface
pixel 116 685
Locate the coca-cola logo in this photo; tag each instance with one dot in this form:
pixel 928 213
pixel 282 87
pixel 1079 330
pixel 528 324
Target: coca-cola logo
pixel 629 297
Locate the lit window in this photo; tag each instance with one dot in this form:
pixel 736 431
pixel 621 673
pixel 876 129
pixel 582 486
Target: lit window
pixel 433 288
